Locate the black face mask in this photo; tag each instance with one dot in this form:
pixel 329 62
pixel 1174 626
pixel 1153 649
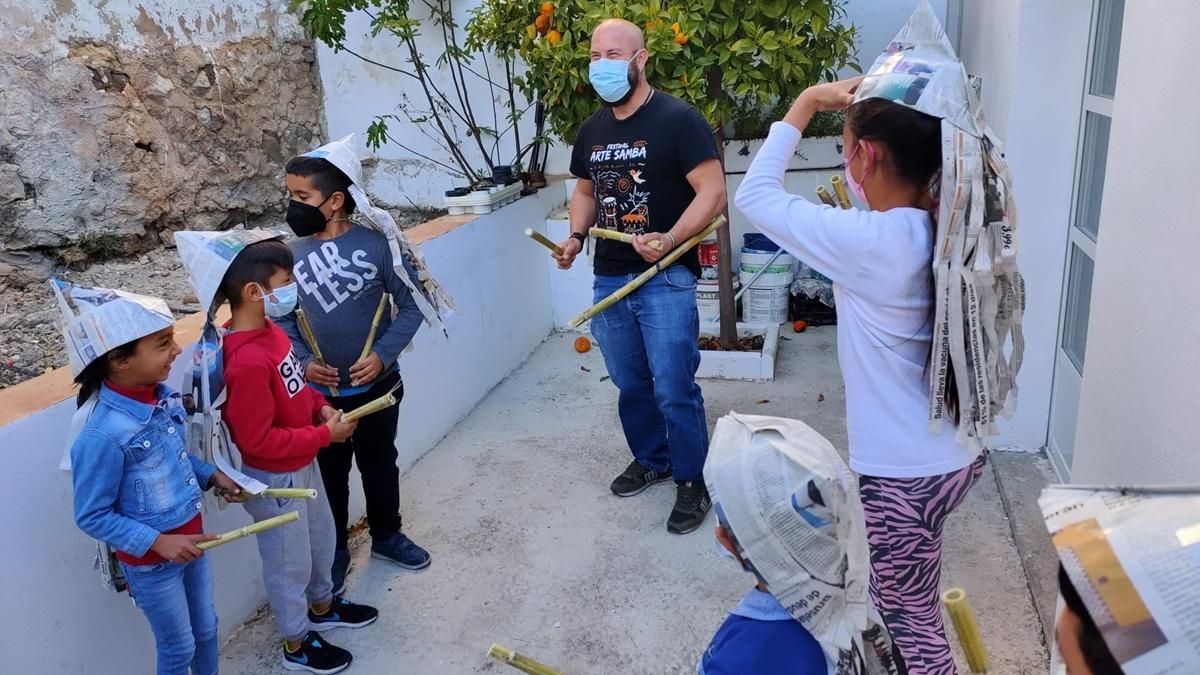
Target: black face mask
pixel 306 219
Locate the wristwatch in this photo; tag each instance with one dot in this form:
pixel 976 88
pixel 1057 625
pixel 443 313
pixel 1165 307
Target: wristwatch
pixel 580 237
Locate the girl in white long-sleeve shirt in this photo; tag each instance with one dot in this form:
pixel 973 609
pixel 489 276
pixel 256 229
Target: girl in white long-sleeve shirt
pixel 879 259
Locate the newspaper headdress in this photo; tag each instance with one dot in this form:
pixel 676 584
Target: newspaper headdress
pixel 1131 554
pixel 793 507
pixel 208 255
pixel 97 320
pixel 434 302
pixel 980 295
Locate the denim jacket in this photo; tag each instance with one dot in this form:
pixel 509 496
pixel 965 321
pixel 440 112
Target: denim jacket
pixel 132 473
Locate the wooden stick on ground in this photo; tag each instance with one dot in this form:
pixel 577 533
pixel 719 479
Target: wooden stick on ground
pixel 541 239
pixel 520 662
pixel 602 233
pixel 383 299
pixel 666 262
pixel 960 612
pixel 253 528
pixel 311 338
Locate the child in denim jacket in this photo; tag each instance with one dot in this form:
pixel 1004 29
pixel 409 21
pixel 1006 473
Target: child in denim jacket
pixel 136 487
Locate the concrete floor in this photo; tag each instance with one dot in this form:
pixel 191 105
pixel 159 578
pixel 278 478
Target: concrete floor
pixel 530 550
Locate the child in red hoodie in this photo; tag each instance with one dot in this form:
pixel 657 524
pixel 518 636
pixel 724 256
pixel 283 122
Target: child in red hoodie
pixel 279 424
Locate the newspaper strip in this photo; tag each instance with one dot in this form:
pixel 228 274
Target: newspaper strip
pixel 793 507
pixel 1134 557
pixel 979 294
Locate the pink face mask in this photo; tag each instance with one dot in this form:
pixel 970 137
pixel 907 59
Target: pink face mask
pixel 855 186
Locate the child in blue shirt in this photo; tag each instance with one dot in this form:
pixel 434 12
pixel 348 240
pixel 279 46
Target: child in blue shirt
pixel 136 487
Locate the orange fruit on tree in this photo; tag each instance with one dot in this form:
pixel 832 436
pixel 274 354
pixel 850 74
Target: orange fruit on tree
pixel 554 37
pixel 531 31
pixel 799 326
pixel 583 345
pixel 542 24
pixel 675 27
pixel 547 7
pixel 681 39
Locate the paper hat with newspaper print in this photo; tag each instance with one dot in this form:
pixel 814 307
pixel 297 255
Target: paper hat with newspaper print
pixel 97 320
pixel 208 255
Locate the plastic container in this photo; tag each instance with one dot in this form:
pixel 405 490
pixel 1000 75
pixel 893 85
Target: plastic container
pixel 758 241
pixel 765 305
pixel 707 250
pixel 778 274
pixel 708 299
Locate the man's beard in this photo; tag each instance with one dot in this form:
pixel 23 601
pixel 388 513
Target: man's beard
pixel 634 75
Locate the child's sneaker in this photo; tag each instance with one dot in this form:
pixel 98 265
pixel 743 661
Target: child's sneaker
pixel 315 655
pixel 401 550
pixel 343 614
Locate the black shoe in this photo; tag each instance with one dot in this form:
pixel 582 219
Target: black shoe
pixel 315 655
pixel 691 505
pixel 401 550
pixel 341 565
pixel 343 614
pixel 636 478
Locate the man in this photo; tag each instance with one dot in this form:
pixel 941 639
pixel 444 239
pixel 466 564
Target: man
pixel 647 165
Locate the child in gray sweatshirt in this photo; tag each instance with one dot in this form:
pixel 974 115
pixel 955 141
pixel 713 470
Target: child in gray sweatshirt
pixel 344 272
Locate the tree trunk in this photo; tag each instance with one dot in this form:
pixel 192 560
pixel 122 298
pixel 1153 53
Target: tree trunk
pixel 728 334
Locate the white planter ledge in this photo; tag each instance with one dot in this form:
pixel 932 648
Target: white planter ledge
pixel 480 202
pixel 753 366
pixel 812 154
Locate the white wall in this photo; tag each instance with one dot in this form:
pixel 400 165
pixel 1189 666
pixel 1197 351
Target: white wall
pixel 1137 414
pixel 878 21
pixel 59 619
pixel 1045 82
pixel 989 44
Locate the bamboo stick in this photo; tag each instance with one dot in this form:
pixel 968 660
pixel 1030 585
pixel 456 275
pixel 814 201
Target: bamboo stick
pixel 839 188
pixel 520 662
pixel 648 274
pixel 276 493
pixel 253 528
pixel 602 233
pixel 311 338
pixel 374 327
pixel 956 603
pixel 825 196
pixel 541 239
pixel 383 402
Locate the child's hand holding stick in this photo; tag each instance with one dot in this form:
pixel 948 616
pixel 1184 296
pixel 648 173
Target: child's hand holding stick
pixel 386 401
pixel 311 338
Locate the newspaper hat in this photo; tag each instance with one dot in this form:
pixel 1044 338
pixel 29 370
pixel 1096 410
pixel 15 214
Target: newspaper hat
pixel 208 255
pixel 1131 554
pixel 980 294
pixel 434 302
pixel 792 504
pixel 97 320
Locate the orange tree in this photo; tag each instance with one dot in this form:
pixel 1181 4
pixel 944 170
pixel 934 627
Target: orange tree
pixel 731 59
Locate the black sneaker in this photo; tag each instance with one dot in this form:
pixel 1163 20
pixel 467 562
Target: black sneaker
pixel 341 565
pixel 636 478
pixel 691 505
pixel 343 614
pixel 315 655
pixel 401 550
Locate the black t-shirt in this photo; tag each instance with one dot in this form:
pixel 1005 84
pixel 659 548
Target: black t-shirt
pixel 639 166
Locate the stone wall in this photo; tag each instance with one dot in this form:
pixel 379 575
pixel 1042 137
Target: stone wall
pixel 120 124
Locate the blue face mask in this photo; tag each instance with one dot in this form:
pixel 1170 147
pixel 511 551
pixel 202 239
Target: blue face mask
pixel 610 78
pixel 281 301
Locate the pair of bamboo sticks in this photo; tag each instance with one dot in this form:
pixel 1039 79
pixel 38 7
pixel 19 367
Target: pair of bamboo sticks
pixel 597 232
pixel 839 189
pixel 311 338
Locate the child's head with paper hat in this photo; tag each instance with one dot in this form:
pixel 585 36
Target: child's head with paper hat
pixel 115 335
pixel 319 184
pixel 788 510
pixel 209 256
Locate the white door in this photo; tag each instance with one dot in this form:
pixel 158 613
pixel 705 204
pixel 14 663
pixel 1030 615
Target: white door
pixel 1104 46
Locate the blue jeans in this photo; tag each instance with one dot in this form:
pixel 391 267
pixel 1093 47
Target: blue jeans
pixel 649 345
pixel 177 600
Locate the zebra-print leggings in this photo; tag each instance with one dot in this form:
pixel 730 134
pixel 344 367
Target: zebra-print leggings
pixel 905 518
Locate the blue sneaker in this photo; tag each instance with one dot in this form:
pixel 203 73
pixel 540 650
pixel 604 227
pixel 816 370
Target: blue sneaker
pixel 341 565
pixel 401 550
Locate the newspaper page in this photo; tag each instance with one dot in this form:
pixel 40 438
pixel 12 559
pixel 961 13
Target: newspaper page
pixel 1134 557
pixel 793 506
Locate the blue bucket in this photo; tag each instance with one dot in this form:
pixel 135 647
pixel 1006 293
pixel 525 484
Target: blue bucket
pixel 757 241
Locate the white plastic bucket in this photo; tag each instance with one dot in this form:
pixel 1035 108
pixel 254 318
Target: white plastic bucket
pixel 778 274
pixel 708 299
pixel 765 305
